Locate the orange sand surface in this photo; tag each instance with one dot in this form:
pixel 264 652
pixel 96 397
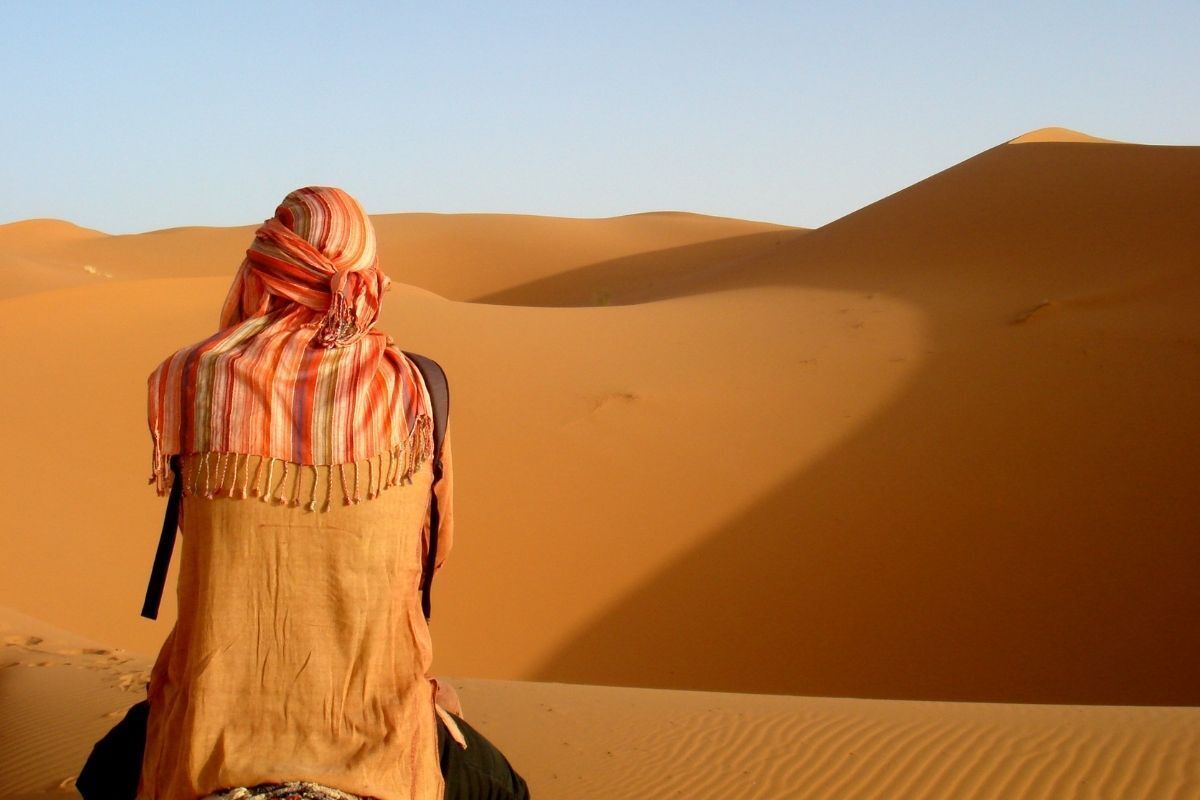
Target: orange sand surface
pixel 59 693
pixel 941 449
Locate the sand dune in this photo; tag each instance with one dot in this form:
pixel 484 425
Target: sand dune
pixel 27 258
pixel 938 449
pixel 60 693
pixel 43 234
pixel 1020 512
pixel 501 258
pixel 459 256
pixel 602 742
pixel 649 273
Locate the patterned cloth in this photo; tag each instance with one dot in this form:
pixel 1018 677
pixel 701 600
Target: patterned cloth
pixel 296 374
pixel 292 790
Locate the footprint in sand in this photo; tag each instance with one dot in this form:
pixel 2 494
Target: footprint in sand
pixel 22 641
pixel 82 651
pixel 130 681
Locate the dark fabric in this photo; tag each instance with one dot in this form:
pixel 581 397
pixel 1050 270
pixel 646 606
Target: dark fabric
pixel 166 544
pixel 439 397
pixel 480 772
pixel 112 769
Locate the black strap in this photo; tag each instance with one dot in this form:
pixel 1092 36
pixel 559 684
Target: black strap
pixel 439 393
pixel 166 543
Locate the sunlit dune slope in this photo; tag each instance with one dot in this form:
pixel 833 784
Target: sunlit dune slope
pixel 24 262
pixel 43 233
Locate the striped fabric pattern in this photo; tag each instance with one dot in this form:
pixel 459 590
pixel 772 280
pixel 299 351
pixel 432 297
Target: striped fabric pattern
pixel 297 372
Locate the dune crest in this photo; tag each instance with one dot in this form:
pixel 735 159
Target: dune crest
pixel 505 259
pixel 1057 134
pixel 40 232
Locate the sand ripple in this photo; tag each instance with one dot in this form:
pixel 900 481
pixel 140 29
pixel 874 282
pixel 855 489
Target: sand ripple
pixel 643 743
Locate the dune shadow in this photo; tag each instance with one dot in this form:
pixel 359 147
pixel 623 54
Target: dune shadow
pixel 645 276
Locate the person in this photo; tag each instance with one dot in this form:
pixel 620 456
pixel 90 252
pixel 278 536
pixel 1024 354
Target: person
pixel 299 664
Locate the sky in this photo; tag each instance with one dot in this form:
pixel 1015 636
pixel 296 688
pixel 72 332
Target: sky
pixel 129 117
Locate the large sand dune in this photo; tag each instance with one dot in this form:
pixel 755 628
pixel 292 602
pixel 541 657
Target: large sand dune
pixel 942 448
pixel 1018 521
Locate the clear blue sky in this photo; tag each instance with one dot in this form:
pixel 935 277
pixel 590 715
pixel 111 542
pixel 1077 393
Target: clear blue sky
pixel 137 116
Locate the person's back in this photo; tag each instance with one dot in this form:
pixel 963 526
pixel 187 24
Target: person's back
pixel 300 651
pixel 299 661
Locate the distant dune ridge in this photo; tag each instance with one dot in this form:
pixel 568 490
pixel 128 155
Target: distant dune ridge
pixel 940 449
pixel 510 254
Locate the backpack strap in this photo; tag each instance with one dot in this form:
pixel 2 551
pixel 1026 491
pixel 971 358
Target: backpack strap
pixel 439 395
pixel 166 543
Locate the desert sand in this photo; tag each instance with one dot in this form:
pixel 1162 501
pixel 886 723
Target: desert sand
pixel 60 692
pixel 878 484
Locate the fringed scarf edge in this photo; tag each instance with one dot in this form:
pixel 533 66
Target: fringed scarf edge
pixel 215 473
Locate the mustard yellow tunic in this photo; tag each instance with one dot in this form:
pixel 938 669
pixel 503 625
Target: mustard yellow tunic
pixel 300 650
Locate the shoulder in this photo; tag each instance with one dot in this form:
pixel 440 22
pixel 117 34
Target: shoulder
pixel 172 363
pixel 176 360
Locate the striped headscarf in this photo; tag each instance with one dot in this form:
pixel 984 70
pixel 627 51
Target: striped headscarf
pixel 297 373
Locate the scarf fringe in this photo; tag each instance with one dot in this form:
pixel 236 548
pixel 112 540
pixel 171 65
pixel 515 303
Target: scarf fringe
pixel 212 474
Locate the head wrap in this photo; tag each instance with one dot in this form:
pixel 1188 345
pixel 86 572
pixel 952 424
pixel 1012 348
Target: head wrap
pixel 297 372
